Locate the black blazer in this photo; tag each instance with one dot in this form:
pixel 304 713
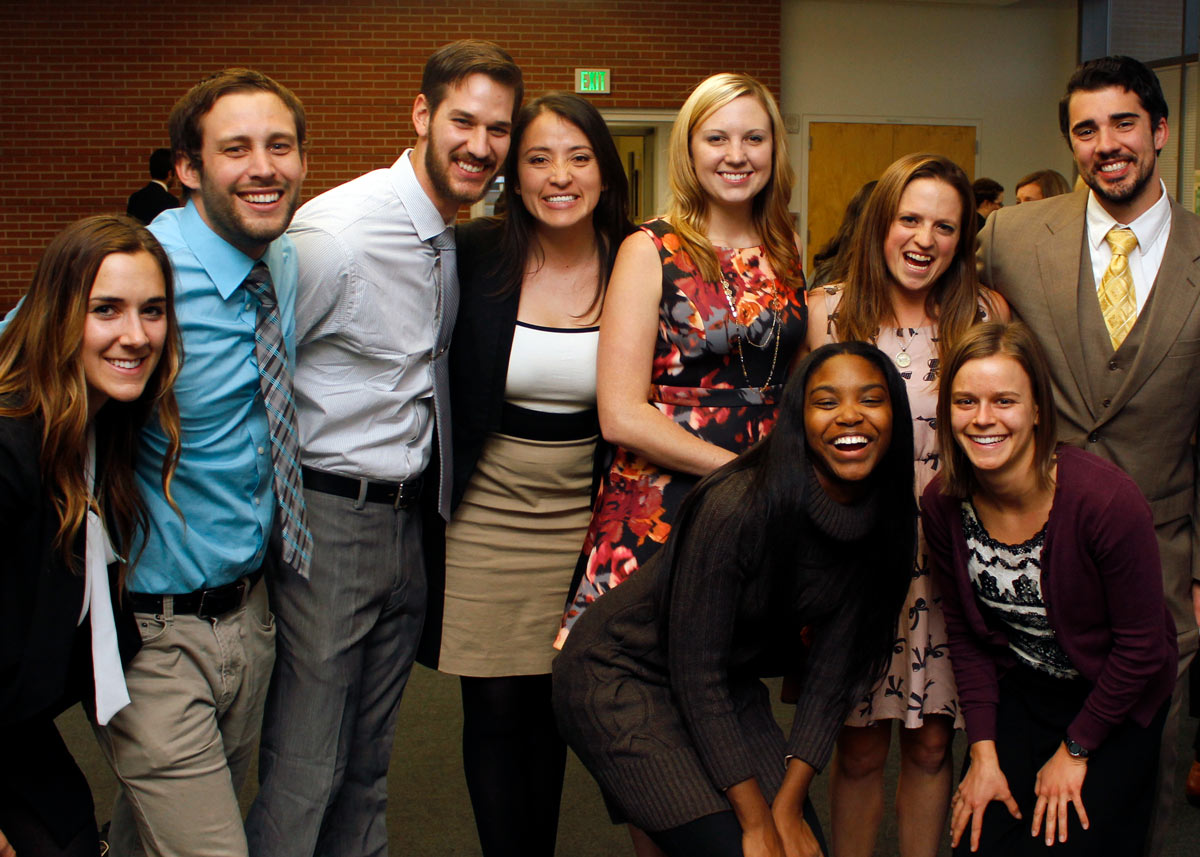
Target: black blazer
pixel 147 203
pixel 45 658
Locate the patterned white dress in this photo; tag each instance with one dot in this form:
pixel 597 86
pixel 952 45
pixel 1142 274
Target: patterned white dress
pixel 920 680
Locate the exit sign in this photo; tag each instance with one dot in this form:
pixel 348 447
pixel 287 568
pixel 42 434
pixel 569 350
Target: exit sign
pixel 595 80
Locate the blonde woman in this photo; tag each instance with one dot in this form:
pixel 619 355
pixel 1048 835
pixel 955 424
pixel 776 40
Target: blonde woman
pixel 704 314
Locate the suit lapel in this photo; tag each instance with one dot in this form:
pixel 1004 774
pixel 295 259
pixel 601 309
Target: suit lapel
pixel 1058 255
pixel 1175 291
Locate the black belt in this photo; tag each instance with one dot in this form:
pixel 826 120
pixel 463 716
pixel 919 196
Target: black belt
pixel 400 495
pixel 204 603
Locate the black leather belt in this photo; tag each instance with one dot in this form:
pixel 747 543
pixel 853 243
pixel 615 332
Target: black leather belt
pixel 400 495
pixel 204 603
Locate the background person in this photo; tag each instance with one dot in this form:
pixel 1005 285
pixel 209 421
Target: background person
pixel 989 196
pixel 705 310
pixel 1042 184
pixel 910 289
pixel 1063 648
pixel 830 264
pixel 156 197
pixel 657 687
pixel 523 393
pixel 88 358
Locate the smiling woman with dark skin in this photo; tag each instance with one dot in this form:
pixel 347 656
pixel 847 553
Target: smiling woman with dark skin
pixel 1062 645
pixel 657 688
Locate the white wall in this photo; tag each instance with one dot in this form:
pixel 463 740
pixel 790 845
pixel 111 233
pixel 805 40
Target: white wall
pixel 1003 67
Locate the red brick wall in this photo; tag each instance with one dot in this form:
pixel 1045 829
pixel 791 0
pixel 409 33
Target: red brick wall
pixel 85 87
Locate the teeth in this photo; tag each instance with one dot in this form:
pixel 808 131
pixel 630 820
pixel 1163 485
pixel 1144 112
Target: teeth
pixel 988 440
pixel 919 258
pixel 735 177
pixel 125 364
pixel 267 197
pixel 471 168
pixel 1112 168
pixel 564 198
pixel 850 440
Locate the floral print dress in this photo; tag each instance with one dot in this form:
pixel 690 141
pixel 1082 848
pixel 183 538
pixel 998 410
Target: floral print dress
pixel 701 381
pixel 920 679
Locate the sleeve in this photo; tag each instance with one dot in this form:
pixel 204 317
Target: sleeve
pixel 974 667
pixel 17 493
pixel 706 591
pixel 1124 548
pixel 328 287
pixel 983 254
pixel 819 716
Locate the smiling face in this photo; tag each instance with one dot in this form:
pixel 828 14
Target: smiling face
pixel 124 329
pixel 732 152
pixel 1116 149
pixel 924 234
pixel 247 185
pixel 557 172
pixel 461 146
pixel 847 423
pixel 993 416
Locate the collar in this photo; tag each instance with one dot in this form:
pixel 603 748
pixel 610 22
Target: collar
pixel 161 184
pixel 425 217
pixel 225 265
pixel 1149 227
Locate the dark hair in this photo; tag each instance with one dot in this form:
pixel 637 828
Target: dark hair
pixel 1015 340
pixel 42 376
pixel 1121 71
pixel 184 124
pixel 1051 183
pixel 610 219
pixel 953 301
pixel 830 263
pixel 451 63
pixel 986 190
pixel 776 496
pixel 161 164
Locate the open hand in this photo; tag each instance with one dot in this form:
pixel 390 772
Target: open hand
pixel 984 783
pixel 1058 786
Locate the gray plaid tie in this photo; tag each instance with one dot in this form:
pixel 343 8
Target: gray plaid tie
pixel 276 384
pixel 447 283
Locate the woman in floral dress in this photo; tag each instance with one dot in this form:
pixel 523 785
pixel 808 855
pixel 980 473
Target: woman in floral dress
pixel 912 291
pixel 704 314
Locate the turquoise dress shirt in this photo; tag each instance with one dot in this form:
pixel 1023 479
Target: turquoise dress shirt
pixel 223 484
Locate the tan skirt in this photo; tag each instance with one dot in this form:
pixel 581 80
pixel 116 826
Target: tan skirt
pixel 511 549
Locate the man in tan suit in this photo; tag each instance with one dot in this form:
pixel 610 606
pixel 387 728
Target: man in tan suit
pixel 1125 363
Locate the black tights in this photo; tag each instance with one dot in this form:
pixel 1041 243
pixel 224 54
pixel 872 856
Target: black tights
pixel 514 761
pixel 718 835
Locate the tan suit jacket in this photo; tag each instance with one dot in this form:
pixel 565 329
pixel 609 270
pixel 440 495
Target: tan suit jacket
pixel 1144 418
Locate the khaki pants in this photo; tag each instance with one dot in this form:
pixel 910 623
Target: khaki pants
pixel 182 746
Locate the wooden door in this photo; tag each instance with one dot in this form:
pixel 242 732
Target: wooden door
pixel 843 156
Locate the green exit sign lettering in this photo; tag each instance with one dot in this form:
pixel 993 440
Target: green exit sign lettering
pixel 594 80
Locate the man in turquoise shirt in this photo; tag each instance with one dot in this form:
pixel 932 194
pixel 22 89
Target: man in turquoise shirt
pixel 197 687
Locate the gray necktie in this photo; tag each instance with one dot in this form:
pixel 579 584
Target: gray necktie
pixel 276 383
pixel 447 285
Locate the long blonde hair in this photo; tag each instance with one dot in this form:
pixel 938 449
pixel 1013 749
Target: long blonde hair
pixel 42 376
pixel 688 210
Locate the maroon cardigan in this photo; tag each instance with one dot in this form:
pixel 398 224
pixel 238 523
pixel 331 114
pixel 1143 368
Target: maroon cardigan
pixel 1102 584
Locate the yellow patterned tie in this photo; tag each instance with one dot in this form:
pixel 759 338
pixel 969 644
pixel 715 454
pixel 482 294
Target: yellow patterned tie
pixel 1118 302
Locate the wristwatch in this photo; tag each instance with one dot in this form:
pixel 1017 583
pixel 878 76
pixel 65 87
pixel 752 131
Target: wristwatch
pixel 1074 749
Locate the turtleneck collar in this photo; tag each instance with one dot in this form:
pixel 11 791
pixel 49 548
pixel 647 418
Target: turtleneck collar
pixel 841 523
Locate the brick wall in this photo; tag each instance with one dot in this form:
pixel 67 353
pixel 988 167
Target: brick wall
pixel 85 87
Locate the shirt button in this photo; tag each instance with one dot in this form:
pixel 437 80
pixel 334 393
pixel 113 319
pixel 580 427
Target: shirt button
pixel 256 501
pixel 1106 403
pixel 1112 364
pixel 260 449
pixel 1094 437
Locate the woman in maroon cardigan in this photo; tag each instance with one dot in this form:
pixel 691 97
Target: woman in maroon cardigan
pixel 1063 649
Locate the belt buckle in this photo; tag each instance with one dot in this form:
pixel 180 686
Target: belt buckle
pixel 223 599
pixel 398 503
